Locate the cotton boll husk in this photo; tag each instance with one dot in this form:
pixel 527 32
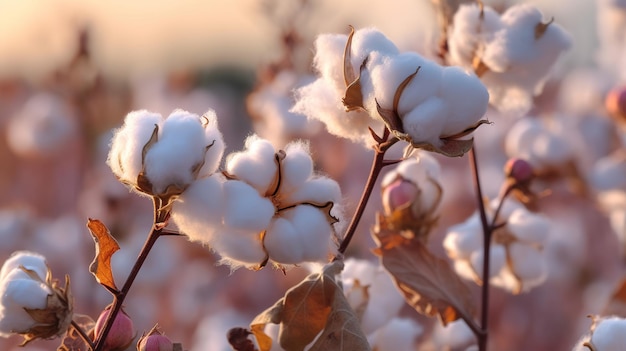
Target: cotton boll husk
pixel 528 264
pixel 397 334
pixel 466 97
pixel 299 234
pixel 244 208
pixel 385 301
pixel 528 227
pixel 256 165
pixel 296 167
pixel 496 264
pixel 30 260
pixel 128 142
pixel 213 137
pixel 609 334
pixel 198 211
pixel 608 172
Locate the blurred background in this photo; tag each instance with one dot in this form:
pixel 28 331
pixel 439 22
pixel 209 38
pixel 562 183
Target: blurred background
pixel 70 70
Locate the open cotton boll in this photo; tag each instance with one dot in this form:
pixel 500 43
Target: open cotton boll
pixel 30 260
pixel 397 334
pixel 297 167
pixel 238 248
pixel 127 144
pixel 528 264
pixel 608 172
pixel 198 211
pixel 609 334
pixel 180 147
pixel 528 227
pixel 256 165
pixel 368 40
pixel 466 99
pixel 299 235
pixel 244 208
pixel 496 264
pixel 471 28
pixel 463 239
pixel 42 127
pixel 384 302
pixel 531 140
pixel 16 293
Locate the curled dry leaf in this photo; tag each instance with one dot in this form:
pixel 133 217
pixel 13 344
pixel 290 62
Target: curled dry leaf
pixel 427 282
pixel 106 246
pixel 314 307
pixel 72 341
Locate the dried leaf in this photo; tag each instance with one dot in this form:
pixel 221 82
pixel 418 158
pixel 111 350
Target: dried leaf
pixel 617 304
pixel 72 341
pixel 348 73
pixel 106 246
pixel 314 306
pixel 238 339
pixel 353 97
pixel 427 282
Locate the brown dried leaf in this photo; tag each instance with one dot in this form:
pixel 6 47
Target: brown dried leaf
pixel 348 73
pixel 353 96
pixel 72 341
pixel 313 306
pixel 427 282
pixel 106 246
pixel 617 303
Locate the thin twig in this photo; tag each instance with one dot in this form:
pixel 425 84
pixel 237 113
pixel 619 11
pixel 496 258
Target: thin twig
pixel 487 231
pixel 83 335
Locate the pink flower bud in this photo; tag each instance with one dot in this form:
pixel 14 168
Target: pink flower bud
pixel 155 342
pixel 121 334
pixel 615 102
pixel 399 193
pixel 519 170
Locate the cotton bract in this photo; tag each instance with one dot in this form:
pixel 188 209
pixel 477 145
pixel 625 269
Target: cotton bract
pixel 163 156
pixel 517 262
pixel 268 206
pixel 512 53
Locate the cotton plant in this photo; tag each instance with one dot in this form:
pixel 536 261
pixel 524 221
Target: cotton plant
pixel 512 53
pixel 268 206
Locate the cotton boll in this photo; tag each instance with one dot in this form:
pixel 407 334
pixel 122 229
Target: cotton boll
pixel 397 334
pixel 198 211
pixel 368 40
pixel 318 190
pixel 18 291
pixel 463 239
pixel 425 123
pixel 244 208
pixel 256 165
pixel 239 248
pixel 213 137
pixel 30 260
pixel 528 227
pixel 497 257
pixel 609 334
pixel 471 28
pixel 329 50
pixel 125 156
pixel 528 264
pixel 42 128
pixel 551 149
pixel 296 167
pixel 466 98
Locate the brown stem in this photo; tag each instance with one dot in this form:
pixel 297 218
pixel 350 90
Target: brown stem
pixel 83 335
pixel 119 297
pixel 383 144
pixel 487 231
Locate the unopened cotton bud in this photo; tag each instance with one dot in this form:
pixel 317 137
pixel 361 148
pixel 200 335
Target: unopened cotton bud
pixel 399 193
pixel 519 170
pixel 155 341
pixel 121 334
pixel 615 103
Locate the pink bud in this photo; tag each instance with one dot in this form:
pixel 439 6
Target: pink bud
pixel 518 169
pixel 121 333
pixel 399 193
pixel 155 342
pixel 615 102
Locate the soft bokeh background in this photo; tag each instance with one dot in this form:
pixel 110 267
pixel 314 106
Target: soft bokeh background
pixel 88 63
